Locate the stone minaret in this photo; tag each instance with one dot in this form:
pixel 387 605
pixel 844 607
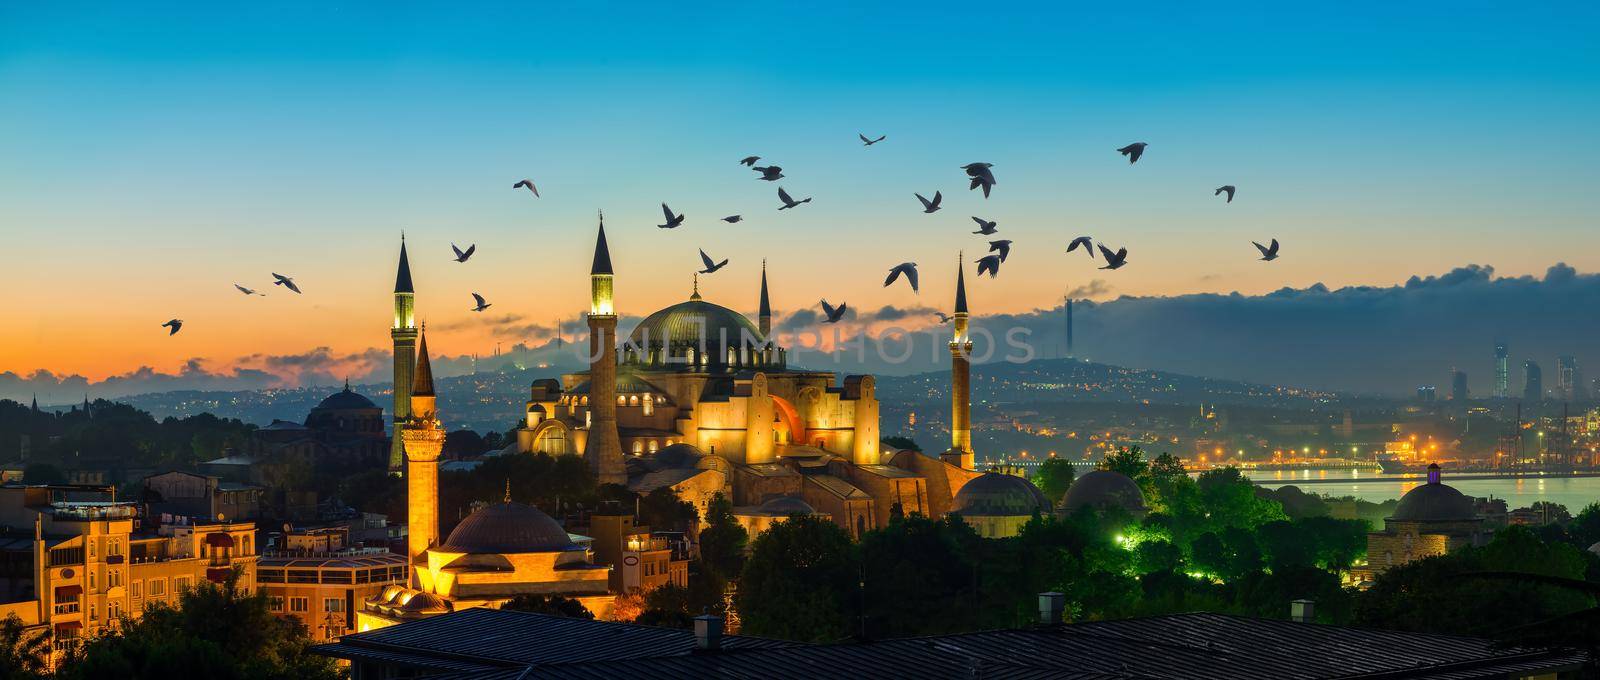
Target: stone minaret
pixel 960 380
pixel 404 334
pixel 764 317
pixel 603 448
pixel 423 439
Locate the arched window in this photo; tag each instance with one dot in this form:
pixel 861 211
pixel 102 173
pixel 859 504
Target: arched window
pixel 553 440
pixel 653 447
pixel 649 405
pixel 622 400
pixel 633 400
pixel 638 447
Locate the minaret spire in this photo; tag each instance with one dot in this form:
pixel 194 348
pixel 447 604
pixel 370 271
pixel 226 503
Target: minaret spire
pixel 422 384
pixel 602 252
pixel 764 316
pixel 423 440
pixel 960 453
pixel 695 295
pixel 961 284
pixel 402 276
pixel 603 448
pixel 403 333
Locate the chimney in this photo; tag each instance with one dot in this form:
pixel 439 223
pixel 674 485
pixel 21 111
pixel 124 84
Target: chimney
pixel 1303 611
pixel 707 633
pixel 1051 607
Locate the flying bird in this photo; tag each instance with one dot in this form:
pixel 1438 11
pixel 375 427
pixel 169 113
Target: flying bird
pixel 789 202
pixel 1114 260
pixel 907 268
pixel 673 221
pixel 711 267
pixel 989 263
pixel 981 176
pixel 1268 253
pixel 247 291
pixel 175 324
pixel 833 313
pixel 933 205
pixel 481 304
pixel 732 219
pixel 770 173
pixel 529 184
pixel 285 281
pixel 943 317
pixel 985 227
pixel 1002 245
pixel 870 142
pixel 1088 246
pixel 462 255
pixel 1226 187
pixel 750 160
pixel 1133 151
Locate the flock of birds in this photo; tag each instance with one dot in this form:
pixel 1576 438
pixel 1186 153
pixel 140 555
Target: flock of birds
pixel 979 175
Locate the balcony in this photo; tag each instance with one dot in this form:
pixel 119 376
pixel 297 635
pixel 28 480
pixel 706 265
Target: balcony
pixel 65 608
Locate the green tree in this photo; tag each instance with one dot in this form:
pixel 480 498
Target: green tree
pixel 1585 528
pixel 214 631
pixel 1053 478
pixel 663 510
pixel 1126 460
pixel 800 582
pixel 723 540
pixel 22 653
pixel 918 578
pixel 554 605
pixel 674 606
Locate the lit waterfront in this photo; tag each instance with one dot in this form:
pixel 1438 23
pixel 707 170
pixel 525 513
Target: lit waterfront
pixel 1573 492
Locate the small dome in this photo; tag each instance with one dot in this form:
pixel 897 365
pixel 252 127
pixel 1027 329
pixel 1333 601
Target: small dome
pixel 1434 502
pixel 345 400
pixel 424 603
pixel 1102 489
pixel 284 425
pixel 997 494
pixel 785 506
pixel 694 322
pixel 679 455
pixel 388 594
pixel 507 528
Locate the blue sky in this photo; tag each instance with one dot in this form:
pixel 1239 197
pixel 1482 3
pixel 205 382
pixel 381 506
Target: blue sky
pixel 151 155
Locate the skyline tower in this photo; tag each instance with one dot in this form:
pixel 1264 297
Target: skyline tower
pixel 603 448
pixel 1532 381
pixel 1458 385
pixel 1069 329
pixel 1569 380
pixel 404 335
pixel 960 379
pixel 1502 370
pixel 423 438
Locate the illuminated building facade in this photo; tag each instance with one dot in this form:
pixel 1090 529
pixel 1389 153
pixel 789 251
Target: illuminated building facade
pixel 1502 370
pixel 1431 519
pixel 317 577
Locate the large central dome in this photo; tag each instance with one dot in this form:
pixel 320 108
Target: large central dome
pixel 695 322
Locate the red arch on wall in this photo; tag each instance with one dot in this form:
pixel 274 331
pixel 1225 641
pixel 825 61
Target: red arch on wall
pixel 786 411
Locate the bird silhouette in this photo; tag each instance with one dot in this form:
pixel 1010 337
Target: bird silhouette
pixel 833 313
pixel 1002 245
pixel 943 317
pixel 1133 151
pixel 247 291
pixel 732 219
pixel 907 268
pixel 1268 253
pixel 481 304
pixel 673 221
pixel 981 176
pixel 770 173
pixel 462 255
pixel 870 142
pixel 933 205
pixel 529 184
pixel 789 202
pixel 1114 260
pixel 1088 246
pixel 750 160
pixel 985 227
pixel 989 263
pixel 175 324
pixel 711 267
pixel 1226 187
pixel 285 281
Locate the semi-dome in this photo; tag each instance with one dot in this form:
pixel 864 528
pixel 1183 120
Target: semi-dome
pixel 424 603
pixel 694 322
pixel 507 528
pixel 1001 495
pixel 1434 502
pixel 344 400
pixel 1103 489
pixel 785 506
pixel 679 455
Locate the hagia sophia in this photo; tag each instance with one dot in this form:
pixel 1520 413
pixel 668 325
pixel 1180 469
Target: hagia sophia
pixel 701 400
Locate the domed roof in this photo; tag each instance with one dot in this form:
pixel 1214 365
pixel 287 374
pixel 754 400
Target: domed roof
pixel 346 399
pixel 679 455
pixel 507 528
pixel 786 506
pixel 1434 502
pixel 693 322
pixel 999 494
pixel 424 603
pixel 1102 489
pixel 627 383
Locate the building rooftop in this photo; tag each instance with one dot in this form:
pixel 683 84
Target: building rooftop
pixel 507 528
